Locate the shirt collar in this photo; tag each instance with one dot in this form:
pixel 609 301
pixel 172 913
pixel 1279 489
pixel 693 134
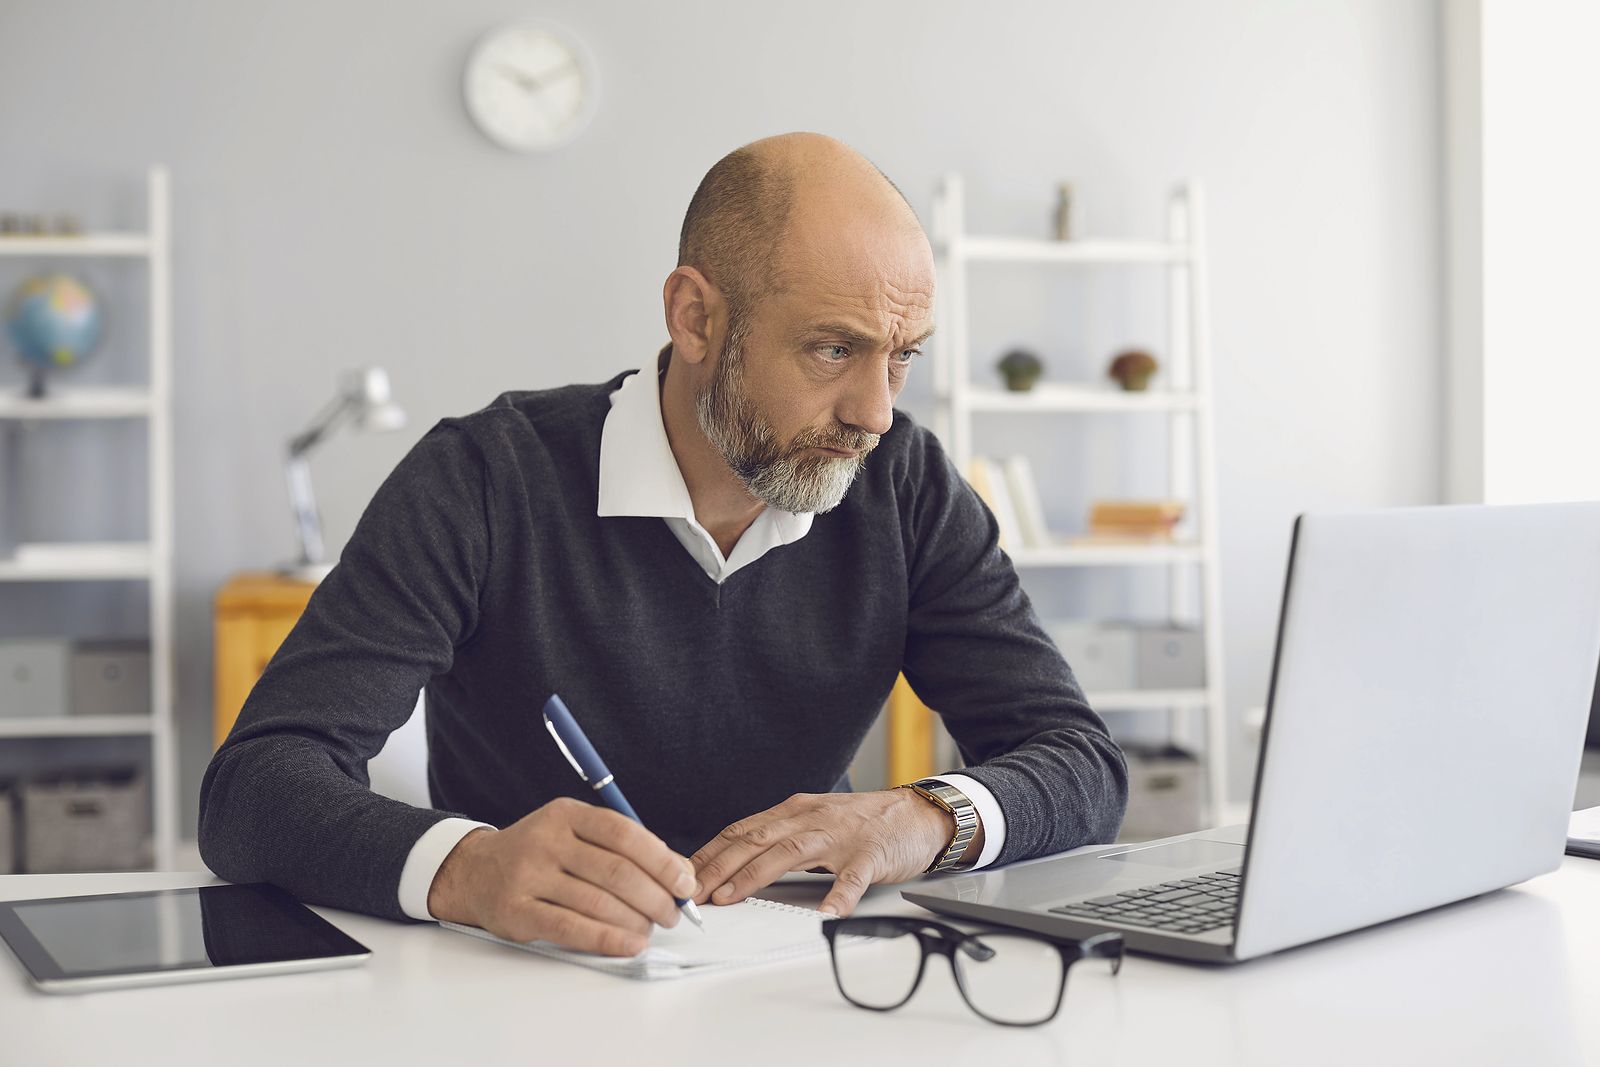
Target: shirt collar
pixel 639 475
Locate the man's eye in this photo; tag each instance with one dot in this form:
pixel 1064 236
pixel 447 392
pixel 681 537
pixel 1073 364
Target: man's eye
pixel 909 354
pixel 834 353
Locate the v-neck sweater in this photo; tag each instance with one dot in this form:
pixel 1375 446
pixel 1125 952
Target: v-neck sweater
pixel 481 571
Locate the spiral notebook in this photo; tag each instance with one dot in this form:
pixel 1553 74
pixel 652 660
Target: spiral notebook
pixel 752 932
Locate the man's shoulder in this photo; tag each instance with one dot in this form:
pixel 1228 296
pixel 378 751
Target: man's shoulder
pixel 909 449
pixel 908 463
pixel 558 417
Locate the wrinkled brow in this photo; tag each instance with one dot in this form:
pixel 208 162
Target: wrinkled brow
pixel 855 336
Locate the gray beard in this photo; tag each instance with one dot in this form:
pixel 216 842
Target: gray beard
pixel 790 479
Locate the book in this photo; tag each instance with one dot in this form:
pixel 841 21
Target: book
pixel 1583 834
pixel 989 481
pixel 751 932
pixel 1135 518
pixel 1025 501
pixel 1136 512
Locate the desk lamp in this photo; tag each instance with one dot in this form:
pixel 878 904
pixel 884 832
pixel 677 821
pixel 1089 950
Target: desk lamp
pixel 363 399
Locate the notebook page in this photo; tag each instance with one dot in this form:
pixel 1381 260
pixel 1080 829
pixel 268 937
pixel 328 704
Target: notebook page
pixel 751 932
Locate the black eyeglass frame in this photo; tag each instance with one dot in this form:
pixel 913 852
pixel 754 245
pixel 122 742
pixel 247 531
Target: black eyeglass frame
pixel 942 939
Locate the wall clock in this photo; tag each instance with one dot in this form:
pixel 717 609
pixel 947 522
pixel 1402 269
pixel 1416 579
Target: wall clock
pixel 530 86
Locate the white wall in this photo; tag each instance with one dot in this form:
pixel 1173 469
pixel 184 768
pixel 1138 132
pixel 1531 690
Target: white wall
pixel 1524 339
pixel 333 207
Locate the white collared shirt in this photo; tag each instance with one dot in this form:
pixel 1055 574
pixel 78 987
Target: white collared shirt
pixel 639 477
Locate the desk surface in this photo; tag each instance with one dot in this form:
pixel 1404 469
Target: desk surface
pixel 1509 977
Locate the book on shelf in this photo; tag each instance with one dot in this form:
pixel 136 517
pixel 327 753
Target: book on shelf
pixel 989 482
pixel 1025 500
pixel 1135 519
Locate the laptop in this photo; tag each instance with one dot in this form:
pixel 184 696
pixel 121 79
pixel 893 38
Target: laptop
pixel 1425 720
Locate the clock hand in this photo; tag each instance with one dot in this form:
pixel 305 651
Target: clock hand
pixel 565 69
pixel 526 81
pixel 535 83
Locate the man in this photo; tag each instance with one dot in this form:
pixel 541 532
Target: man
pixel 721 563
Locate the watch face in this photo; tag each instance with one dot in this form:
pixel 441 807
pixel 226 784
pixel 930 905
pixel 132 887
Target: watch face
pixel 530 86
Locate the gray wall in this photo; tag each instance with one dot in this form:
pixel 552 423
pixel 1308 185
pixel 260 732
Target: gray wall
pixel 333 207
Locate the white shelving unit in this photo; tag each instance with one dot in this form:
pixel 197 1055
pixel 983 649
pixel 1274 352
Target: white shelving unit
pixel 1186 402
pixel 151 560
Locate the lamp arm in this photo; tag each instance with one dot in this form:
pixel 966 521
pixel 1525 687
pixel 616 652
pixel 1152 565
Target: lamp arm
pixel 326 421
pixel 297 472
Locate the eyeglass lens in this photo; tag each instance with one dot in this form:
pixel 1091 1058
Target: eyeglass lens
pixel 1006 977
pixel 882 972
pixel 1010 978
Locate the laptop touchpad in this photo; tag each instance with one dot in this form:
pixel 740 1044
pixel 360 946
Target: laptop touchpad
pixel 1195 852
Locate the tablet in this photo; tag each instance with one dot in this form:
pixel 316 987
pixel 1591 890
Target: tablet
pixel 78 944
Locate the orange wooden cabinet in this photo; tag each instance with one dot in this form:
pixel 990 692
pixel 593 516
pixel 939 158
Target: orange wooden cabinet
pixel 254 612
pixel 911 752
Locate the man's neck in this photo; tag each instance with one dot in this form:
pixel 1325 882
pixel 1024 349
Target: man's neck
pixel 722 505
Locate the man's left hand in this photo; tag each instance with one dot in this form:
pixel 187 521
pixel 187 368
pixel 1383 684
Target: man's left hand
pixel 888 835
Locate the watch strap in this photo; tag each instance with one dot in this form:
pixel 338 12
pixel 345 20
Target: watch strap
pixel 960 806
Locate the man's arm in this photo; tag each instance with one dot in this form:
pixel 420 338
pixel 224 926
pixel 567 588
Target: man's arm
pixel 1054 779
pixel 286 797
pixel 976 654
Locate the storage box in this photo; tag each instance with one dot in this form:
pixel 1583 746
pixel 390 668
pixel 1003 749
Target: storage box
pixel 8 833
pixel 1170 657
pixel 1165 791
pixel 1101 657
pixel 110 678
pixel 98 822
pixel 33 678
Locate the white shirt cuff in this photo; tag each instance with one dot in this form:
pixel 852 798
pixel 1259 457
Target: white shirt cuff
pixel 990 817
pixel 427 856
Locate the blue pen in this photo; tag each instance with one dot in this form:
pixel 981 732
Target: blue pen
pixel 592 769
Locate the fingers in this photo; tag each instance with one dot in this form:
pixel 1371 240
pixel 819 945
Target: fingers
pixel 619 834
pixel 625 882
pixel 728 853
pixel 541 920
pixel 796 851
pixel 596 902
pixel 848 886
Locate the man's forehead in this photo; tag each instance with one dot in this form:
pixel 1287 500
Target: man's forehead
pixel 869 304
pixel 893 271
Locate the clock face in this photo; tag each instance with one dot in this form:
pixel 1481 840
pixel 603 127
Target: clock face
pixel 530 86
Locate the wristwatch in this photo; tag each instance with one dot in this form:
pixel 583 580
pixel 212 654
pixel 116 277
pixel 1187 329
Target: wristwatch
pixel 953 800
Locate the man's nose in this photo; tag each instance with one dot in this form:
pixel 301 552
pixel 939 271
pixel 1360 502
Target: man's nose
pixel 868 402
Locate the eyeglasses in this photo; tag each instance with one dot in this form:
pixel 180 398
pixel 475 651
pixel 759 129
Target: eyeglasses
pixel 1010 977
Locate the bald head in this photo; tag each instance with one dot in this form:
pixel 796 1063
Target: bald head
pixel 761 200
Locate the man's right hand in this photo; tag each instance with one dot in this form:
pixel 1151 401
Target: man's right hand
pixel 572 873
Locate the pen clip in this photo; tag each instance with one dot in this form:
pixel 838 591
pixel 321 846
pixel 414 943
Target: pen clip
pixel 562 745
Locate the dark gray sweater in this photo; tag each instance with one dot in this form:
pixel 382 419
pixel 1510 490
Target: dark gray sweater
pixel 481 571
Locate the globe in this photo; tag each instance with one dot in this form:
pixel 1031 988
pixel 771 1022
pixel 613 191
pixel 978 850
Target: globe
pixel 54 320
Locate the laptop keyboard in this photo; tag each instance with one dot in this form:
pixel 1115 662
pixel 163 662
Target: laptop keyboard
pixel 1186 906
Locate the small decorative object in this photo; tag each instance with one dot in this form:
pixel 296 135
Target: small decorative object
pixel 363 399
pixel 54 321
pixel 1064 227
pixel 1132 369
pixel 1020 368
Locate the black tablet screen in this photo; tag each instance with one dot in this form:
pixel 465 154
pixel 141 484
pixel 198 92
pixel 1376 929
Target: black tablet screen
pixel 175 929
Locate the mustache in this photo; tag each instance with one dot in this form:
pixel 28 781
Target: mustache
pixel 843 439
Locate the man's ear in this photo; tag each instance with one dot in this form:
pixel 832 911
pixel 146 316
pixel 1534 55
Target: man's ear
pixel 695 310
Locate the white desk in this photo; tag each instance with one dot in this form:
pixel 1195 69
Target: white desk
pixel 1509 978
